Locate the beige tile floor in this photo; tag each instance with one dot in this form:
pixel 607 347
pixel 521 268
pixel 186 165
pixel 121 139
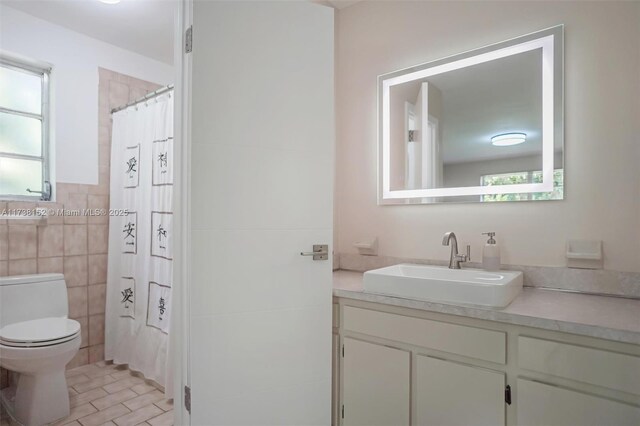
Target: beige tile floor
pixel 105 394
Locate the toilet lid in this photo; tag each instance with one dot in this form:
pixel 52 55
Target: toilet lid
pixel 41 330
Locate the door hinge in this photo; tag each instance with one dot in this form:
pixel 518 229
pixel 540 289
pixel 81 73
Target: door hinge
pixel 343 411
pixel 187 398
pixel 188 40
pixel 343 350
pixel 507 395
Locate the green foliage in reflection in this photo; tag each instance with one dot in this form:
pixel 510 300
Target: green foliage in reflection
pixel 523 178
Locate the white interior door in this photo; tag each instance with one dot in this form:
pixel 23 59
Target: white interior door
pixel 261 191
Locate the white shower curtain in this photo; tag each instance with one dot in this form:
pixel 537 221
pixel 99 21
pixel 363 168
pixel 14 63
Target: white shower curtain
pixel 140 263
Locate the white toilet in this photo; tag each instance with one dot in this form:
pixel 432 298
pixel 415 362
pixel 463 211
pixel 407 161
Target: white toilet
pixel 37 340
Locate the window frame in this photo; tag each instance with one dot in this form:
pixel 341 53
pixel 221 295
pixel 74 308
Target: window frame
pixel 44 73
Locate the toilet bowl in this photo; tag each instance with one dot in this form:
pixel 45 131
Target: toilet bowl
pixel 37 341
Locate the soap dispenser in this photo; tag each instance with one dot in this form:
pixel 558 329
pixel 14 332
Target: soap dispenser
pixel 491 253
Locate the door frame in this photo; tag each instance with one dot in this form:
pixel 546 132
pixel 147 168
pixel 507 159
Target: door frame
pixel 180 326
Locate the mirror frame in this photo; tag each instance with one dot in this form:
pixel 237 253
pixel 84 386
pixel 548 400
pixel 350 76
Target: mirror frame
pixel 551 41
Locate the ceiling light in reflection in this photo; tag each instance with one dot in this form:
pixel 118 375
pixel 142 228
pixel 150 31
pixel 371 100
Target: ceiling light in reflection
pixel 508 139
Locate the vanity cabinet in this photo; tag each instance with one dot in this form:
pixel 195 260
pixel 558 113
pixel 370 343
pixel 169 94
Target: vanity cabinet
pixel 403 366
pixel 560 361
pixel 376 384
pixel 450 393
pixel 544 404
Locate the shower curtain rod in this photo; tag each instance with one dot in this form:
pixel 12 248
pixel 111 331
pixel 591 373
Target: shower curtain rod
pixel 145 98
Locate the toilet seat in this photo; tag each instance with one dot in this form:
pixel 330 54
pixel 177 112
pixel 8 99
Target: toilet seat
pixel 39 332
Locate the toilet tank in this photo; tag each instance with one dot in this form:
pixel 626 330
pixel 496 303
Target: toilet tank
pixel 28 297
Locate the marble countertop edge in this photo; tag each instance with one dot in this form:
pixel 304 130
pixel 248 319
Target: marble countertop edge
pixel 600 317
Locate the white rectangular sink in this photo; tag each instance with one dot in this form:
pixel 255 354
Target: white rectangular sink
pixel 441 284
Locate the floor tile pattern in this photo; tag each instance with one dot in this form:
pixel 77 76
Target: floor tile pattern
pixel 106 394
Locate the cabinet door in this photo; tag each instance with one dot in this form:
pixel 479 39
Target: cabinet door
pixel 376 384
pixel 451 394
pixel 542 404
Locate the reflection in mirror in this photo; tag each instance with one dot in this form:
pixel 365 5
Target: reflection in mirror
pixel 474 132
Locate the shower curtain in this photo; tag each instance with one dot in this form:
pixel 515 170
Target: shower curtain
pixel 139 279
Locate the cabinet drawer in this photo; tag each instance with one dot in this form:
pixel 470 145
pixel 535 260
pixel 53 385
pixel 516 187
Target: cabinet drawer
pixel 593 366
pixel 487 345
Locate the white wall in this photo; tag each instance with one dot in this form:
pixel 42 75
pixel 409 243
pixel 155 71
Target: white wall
pixel 602 106
pixel 75 59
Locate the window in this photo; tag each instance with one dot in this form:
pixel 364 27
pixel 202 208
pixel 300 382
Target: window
pixel 523 177
pixel 24 131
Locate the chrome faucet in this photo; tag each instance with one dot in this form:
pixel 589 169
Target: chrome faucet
pixel 455 259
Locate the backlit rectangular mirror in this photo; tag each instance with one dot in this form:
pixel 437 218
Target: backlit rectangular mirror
pixel 481 126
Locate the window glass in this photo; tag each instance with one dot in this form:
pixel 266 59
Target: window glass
pixel 16 175
pixel 558 186
pixel 23 139
pixel 505 179
pixel 20 91
pixel 523 177
pixel 20 135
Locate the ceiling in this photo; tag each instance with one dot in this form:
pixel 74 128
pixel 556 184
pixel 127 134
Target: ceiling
pixel 341 4
pixel 141 26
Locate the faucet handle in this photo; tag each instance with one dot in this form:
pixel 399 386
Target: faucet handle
pixel 464 257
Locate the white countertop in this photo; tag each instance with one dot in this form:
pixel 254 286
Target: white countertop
pixel 610 318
